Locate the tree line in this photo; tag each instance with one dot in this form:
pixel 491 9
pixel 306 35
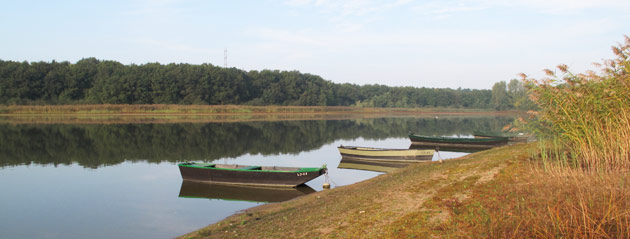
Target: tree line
pixel 93 81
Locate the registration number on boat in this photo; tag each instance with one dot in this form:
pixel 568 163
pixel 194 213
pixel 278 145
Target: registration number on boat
pixel 302 174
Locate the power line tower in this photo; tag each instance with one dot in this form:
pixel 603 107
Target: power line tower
pixel 225 58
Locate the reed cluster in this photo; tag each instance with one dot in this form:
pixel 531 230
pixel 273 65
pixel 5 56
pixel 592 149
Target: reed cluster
pixel 581 188
pixel 586 116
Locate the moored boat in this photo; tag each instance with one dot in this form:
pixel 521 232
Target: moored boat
pixel 249 175
pixel 385 155
pixel 472 143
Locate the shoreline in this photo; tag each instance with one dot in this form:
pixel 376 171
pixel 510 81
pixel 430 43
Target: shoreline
pixel 122 114
pixel 380 207
pixel 107 109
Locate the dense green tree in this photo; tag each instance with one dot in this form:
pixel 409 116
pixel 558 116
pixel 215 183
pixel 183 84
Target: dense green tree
pixel 500 98
pixel 109 82
pixel 80 80
pixel 518 95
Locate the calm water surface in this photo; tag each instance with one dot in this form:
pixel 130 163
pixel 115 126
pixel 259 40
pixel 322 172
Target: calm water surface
pixel 122 180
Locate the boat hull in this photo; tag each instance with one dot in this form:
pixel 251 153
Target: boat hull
pixel 272 178
pixel 386 155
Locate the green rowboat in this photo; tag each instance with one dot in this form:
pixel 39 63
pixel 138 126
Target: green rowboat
pixel 472 143
pixel 249 175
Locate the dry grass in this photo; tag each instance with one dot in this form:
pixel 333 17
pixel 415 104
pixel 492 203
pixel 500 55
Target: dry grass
pixel 180 118
pixel 529 202
pixel 124 114
pixel 582 206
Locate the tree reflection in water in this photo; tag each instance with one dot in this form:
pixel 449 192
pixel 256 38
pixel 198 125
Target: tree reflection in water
pixel 96 145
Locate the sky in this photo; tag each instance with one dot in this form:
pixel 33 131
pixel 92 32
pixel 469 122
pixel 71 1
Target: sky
pixel 433 43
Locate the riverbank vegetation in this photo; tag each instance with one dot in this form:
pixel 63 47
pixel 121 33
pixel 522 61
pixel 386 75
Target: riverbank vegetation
pixel 586 117
pixel 92 81
pixel 584 127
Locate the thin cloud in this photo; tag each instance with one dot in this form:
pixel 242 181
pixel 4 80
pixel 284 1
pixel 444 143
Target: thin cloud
pixel 174 46
pixel 348 15
pixel 569 6
pixel 154 8
pixel 298 2
pixel 443 9
pixel 302 37
pixel 398 3
pixel 356 8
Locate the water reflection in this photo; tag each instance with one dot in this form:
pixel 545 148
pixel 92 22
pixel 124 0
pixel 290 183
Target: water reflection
pixel 376 166
pixel 96 145
pixel 190 189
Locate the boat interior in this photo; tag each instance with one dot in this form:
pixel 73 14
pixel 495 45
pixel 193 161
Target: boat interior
pixel 246 167
pixel 368 148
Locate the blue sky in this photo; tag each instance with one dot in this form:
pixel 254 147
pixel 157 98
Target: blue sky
pixel 452 43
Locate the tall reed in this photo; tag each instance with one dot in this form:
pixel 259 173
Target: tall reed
pixel 588 114
pixel 583 121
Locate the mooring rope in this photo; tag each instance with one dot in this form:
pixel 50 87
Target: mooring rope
pixel 437 150
pixel 328 180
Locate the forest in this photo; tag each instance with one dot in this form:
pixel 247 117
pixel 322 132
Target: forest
pixel 93 81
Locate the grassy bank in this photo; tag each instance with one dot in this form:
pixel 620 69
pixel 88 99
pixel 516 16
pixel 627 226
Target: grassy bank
pixel 498 193
pixel 125 114
pixel 213 109
pixel 210 118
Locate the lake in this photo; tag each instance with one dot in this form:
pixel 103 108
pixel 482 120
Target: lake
pixel 121 180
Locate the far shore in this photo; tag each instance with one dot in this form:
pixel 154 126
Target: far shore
pixel 160 109
pixel 116 114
